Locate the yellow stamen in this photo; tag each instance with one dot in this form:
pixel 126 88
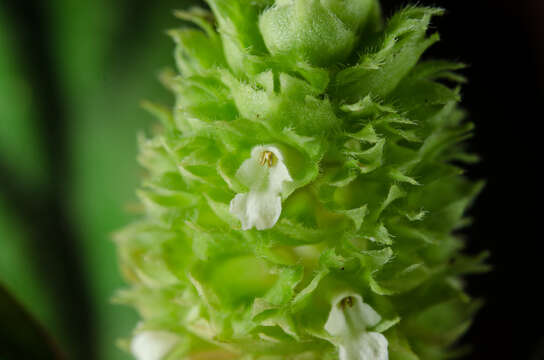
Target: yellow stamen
pixel 268 158
pixel 345 302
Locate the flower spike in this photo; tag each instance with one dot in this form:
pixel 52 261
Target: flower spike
pixel 310 150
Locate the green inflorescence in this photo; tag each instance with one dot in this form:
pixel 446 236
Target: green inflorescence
pixel 303 194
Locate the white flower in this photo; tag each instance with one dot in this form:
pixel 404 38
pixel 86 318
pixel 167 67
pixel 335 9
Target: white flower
pixel 348 322
pixel 153 345
pixel 265 174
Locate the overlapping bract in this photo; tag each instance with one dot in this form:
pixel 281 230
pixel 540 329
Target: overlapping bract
pixel 369 135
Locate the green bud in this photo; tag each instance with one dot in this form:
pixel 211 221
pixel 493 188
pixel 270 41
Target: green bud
pixel 319 32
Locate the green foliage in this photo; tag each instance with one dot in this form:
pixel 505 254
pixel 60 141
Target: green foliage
pixel 370 201
pixel 20 147
pixel 103 115
pixel 22 337
pixel 21 278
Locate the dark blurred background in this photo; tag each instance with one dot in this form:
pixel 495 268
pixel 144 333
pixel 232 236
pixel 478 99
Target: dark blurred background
pixel 72 74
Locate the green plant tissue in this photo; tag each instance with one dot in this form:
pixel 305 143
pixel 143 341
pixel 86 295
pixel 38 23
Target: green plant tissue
pixel 303 193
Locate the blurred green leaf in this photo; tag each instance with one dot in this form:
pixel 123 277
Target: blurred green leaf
pixel 107 57
pixel 18 275
pixel 22 337
pixel 20 145
pixel 117 50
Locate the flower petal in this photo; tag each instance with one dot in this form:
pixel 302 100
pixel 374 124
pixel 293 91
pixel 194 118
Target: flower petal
pixel 153 345
pixel 348 322
pixel 265 174
pixel 349 313
pixel 259 210
pixel 368 346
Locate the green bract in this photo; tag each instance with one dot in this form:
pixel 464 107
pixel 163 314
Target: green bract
pixel 304 190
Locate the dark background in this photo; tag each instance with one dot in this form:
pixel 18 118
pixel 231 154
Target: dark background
pixel 83 69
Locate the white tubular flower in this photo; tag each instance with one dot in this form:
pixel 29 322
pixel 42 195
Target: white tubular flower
pixel 153 345
pixel 348 322
pixel 264 174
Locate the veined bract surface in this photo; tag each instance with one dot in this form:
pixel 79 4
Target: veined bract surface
pixel 303 193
